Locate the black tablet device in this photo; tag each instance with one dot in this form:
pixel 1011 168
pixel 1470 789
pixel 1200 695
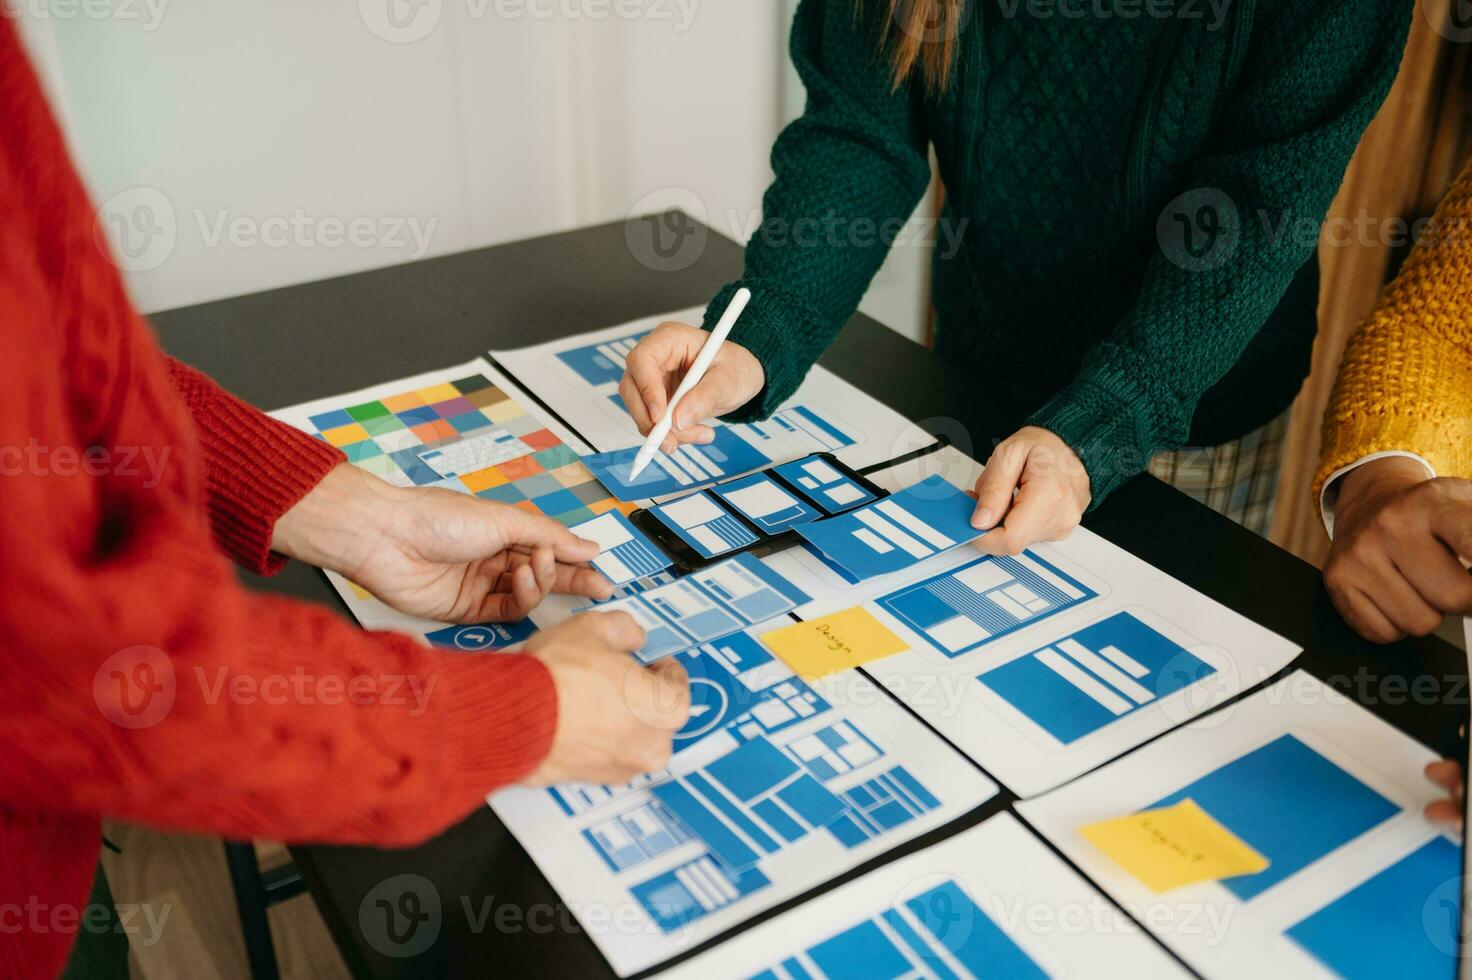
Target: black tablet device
pixel 755 513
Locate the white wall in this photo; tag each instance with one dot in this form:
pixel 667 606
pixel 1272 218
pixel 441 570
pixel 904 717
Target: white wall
pixel 238 146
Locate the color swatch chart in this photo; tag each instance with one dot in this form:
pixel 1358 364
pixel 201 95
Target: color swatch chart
pixel 468 435
pixel 892 534
pixel 736 449
pixel 992 597
pixel 939 933
pixel 1083 682
pixel 707 605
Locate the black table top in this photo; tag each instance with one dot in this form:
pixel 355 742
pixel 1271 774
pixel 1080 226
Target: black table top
pixel 499 915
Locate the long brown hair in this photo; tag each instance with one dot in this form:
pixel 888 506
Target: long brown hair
pixel 922 36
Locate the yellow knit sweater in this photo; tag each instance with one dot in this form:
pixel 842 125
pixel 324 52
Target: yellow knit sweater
pixel 1406 380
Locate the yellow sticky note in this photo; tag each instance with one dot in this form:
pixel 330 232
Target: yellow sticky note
pixel 823 646
pixel 1174 846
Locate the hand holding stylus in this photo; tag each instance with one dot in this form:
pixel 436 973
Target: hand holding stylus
pixel 661 362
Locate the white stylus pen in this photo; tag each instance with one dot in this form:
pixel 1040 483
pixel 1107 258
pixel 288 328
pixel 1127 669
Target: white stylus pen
pixel 650 449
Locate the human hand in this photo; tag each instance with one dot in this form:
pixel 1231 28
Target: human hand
pixel 1394 568
pixel 1052 492
pixel 615 719
pixel 435 553
pixel 1448 776
pixel 657 364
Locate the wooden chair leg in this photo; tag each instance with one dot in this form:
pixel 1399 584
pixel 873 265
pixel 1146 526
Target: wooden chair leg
pixel 251 901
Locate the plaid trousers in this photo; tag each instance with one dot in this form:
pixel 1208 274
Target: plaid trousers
pixel 1238 479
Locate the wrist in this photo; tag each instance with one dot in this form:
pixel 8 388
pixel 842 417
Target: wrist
pixel 1372 481
pixel 333 525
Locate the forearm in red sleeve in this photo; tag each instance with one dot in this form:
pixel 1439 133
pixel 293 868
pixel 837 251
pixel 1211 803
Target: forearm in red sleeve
pixel 256 468
pixel 171 696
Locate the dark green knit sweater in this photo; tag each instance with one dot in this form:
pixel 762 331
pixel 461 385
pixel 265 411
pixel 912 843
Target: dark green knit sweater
pixel 1137 201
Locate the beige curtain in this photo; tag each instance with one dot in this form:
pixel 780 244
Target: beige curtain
pixel 1409 155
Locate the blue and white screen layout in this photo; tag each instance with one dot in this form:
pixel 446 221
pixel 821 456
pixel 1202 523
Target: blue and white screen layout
pixel 707 605
pixel 625 553
pixel 941 932
pixel 766 503
pixel 779 767
pixel 1085 681
pixel 601 364
pixel 702 523
pixel 776 786
pixel 988 901
pixel 1357 883
pixel 1403 921
pixel 1288 802
pixel 965 608
pixel 481 637
pixel 823 484
pixel 734 450
pixel 894 533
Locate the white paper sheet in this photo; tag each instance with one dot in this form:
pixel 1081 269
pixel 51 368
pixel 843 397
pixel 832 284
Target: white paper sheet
pixel 621 908
pixel 879 433
pixel 369 612
pixel 938 677
pixel 1225 933
pixel 1017 903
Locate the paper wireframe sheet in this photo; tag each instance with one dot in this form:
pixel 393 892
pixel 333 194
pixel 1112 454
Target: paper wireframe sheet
pixel 1358 882
pixel 778 784
pixel 705 606
pixel 1048 664
pixel 579 376
pixel 891 535
pixel 467 429
pixel 990 901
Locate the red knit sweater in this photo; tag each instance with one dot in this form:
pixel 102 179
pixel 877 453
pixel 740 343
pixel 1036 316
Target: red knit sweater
pixel 113 487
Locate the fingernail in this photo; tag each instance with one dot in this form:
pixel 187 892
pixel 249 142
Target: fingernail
pixel 982 519
pixel 706 438
pixel 588 544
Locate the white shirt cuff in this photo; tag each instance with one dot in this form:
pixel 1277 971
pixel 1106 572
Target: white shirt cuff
pixel 1329 496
